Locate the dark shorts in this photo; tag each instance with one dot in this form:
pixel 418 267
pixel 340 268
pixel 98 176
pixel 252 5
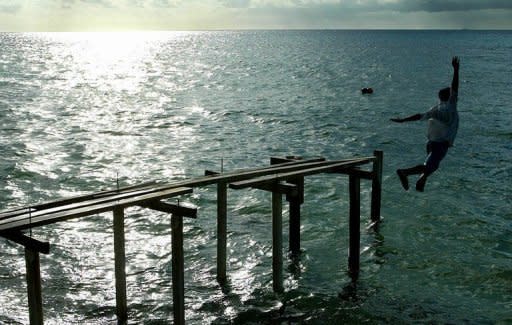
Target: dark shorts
pixel 436 152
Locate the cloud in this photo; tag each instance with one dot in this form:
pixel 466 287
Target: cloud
pixel 163 4
pixel 103 3
pixel 10 6
pixel 249 14
pixel 236 3
pixel 375 5
pixel 444 5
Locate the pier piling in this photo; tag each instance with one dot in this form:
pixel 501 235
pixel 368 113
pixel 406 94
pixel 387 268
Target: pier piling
pixel 277 241
pixel 354 226
pixel 178 270
pixel 120 265
pixel 295 202
pixel 221 232
pixel 35 300
pixel 376 185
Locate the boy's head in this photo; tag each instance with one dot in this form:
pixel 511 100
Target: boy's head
pixel 444 94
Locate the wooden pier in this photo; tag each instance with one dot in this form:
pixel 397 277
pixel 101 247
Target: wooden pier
pixel 284 176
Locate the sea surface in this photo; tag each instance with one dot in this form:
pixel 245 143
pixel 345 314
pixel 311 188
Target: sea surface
pixel 81 112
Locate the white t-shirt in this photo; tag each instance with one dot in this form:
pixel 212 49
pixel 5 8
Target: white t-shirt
pixel 443 121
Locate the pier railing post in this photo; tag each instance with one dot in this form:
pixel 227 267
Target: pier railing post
pixel 35 301
pixel 120 265
pixel 277 241
pixel 221 231
pixel 354 226
pixel 178 270
pixel 376 185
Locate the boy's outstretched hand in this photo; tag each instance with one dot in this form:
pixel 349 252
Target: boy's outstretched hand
pixel 455 62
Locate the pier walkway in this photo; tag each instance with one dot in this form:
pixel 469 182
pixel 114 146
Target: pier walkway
pixel 285 176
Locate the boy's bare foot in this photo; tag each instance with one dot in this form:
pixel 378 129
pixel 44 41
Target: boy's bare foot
pixel 420 184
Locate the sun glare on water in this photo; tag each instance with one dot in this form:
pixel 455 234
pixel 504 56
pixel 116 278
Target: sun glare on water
pixel 113 60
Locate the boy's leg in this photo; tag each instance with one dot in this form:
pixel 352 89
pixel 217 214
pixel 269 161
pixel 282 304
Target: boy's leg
pixel 403 173
pixel 437 152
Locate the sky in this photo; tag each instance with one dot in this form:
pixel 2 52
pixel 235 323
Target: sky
pixel 129 15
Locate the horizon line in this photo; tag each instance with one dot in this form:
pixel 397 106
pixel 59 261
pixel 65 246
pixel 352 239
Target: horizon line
pixel 251 29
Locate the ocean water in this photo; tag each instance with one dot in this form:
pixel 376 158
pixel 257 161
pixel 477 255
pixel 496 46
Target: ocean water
pixel 81 111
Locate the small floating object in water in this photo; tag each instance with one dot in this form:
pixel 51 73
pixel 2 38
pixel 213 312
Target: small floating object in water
pixel 367 90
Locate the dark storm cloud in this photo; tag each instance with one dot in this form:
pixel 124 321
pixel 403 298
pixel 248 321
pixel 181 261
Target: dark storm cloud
pixel 447 5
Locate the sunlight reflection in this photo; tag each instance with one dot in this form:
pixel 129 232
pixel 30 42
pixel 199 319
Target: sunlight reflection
pixel 118 61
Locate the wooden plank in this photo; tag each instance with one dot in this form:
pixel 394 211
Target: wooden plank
pixel 179 210
pixel 28 242
pixel 15 212
pixel 293 160
pixel 283 188
pixel 76 205
pixel 301 172
pixel 237 176
pixel 229 177
pixel 279 162
pixel 91 209
pixel 362 174
pixel 75 199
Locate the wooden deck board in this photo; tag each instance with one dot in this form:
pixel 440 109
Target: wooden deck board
pixel 51 212
pixel 304 172
pixel 81 211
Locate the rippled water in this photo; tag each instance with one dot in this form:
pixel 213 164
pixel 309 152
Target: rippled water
pixel 78 111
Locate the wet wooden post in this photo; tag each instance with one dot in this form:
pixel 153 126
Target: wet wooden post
pixel 295 202
pixel 277 241
pixel 35 301
pixel 221 231
pixel 376 185
pixel 294 219
pixel 178 270
pixel 354 226
pixel 120 265
pixel 178 212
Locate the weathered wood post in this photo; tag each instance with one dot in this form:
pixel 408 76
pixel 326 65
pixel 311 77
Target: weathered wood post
pixel 221 231
pixel 295 202
pixel 354 226
pixel 35 301
pixel 294 220
pixel 120 265
pixel 178 212
pixel 376 185
pixel 277 240
pixel 178 270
